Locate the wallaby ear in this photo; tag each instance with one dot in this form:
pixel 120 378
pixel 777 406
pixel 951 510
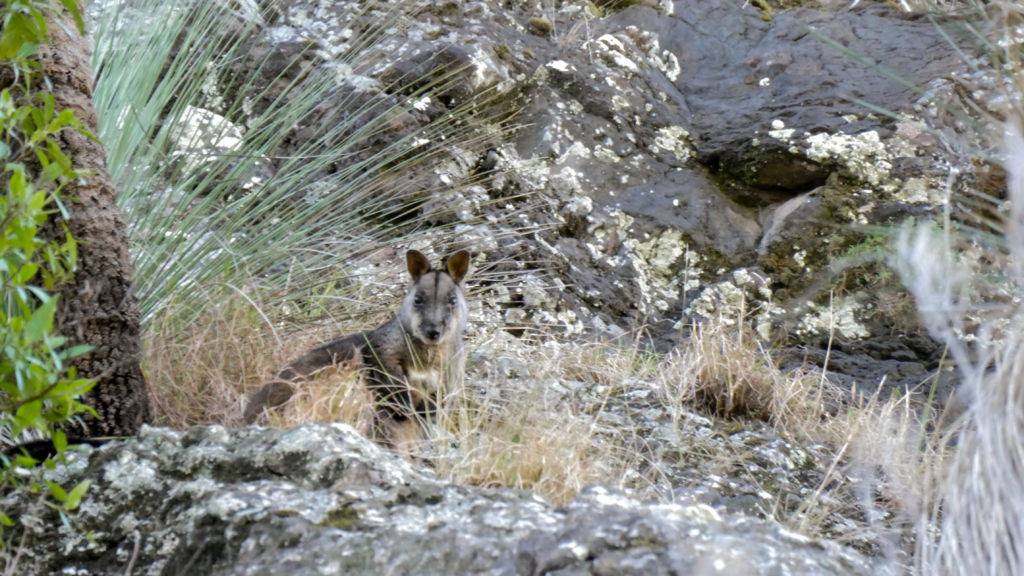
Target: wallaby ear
pixel 458 265
pixel 417 263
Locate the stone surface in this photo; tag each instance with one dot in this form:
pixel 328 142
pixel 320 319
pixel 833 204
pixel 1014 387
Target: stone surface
pixel 657 151
pixel 320 499
pixel 666 164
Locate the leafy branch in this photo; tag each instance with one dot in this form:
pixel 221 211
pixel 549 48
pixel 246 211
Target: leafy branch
pixel 39 389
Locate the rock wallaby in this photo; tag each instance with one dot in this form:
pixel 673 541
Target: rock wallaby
pixel 408 361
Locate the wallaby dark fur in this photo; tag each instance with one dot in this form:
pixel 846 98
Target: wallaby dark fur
pixel 409 360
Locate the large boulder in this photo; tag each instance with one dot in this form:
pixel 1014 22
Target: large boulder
pixel 670 164
pixel 321 499
pixel 654 166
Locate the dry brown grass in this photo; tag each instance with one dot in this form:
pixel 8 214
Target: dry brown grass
pixel 204 374
pixel 541 425
pixel 728 372
pixel 532 433
pixel 200 375
pixel 551 453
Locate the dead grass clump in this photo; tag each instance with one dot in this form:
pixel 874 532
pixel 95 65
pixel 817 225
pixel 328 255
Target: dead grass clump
pixel 335 395
pixel 551 453
pixel 198 373
pixel 529 432
pixel 885 473
pixel 203 372
pixel 729 373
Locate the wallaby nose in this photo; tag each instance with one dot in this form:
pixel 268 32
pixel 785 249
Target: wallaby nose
pixel 431 332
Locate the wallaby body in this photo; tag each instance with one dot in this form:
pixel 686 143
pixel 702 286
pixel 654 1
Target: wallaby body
pixel 409 361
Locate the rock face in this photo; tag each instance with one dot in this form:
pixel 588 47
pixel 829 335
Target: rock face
pixel 673 164
pixel 321 499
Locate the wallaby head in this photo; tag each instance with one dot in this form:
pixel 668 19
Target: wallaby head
pixel 434 310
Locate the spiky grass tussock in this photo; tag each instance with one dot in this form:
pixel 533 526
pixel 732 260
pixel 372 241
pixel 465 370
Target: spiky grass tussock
pixel 241 170
pixel 973 525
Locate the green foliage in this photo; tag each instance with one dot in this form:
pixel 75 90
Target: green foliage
pixel 38 388
pixel 24 29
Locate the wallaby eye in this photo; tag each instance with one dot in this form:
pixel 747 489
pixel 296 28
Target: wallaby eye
pixel 418 300
pixel 453 300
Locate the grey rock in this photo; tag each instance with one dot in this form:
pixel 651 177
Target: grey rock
pixel 320 499
pixel 655 153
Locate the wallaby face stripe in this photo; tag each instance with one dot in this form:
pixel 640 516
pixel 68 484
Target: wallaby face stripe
pixel 433 308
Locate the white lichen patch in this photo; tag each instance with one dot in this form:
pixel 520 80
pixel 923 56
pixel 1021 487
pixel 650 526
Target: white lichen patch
pixel 862 156
pixel 487 73
pixel 559 65
pixel 745 298
pixel 903 142
pixel 668 64
pixel 612 50
pixel 780 132
pixel 674 139
pixel 202 129
pixel 575 150
pixel 606 154
pixel 692 270
pixel 840 318
pixel 578 206
pixel 566 183
pixel 663 60
pixel 800 257
pixel 225 505
pixel 921 191
pixel 658 259
pixel 660 255
pixel 129 476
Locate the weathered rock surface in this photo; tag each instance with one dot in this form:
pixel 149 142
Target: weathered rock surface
pixel 668 157
pixel 670 165
pixel 320 499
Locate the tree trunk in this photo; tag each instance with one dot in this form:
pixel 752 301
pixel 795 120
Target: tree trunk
pixel 98 306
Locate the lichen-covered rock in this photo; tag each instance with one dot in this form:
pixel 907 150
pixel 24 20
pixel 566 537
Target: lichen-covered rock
pixel 659 149
pixel 320 499
pixel 664 163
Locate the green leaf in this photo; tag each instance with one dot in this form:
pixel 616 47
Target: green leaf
pixel 60 441
pixel 41 321
pixel 27 49
pixel 75 351
pixel 57 155
pixel 26 273
pixel 75 496
pixel 59 493
pixel 76 13
pixel 5 520
pixel 19 30
pixel 17 182
pixel 28 413
pixel 38 201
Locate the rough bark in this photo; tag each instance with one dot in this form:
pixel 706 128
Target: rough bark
pixel 98 306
